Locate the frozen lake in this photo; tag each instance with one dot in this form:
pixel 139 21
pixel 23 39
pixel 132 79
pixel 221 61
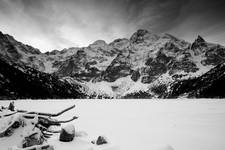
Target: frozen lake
pixel 145 124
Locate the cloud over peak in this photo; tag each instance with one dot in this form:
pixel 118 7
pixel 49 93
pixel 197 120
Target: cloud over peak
pixel 56 24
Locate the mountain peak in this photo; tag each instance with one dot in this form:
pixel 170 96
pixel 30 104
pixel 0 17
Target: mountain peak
pixel 199 45
pixel 143 35
pixel 2 36
pixel 98 43
pixel 199 42
pixel 199 39
pixel 5 36
pixel 142 31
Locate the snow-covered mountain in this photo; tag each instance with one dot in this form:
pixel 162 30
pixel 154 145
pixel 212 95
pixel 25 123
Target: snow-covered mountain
pixel 209 85
pixel 144 66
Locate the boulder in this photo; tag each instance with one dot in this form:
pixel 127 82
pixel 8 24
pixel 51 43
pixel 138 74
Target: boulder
pixel 67 133
pixel 101 140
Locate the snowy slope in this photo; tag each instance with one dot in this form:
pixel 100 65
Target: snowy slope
pixel 152 125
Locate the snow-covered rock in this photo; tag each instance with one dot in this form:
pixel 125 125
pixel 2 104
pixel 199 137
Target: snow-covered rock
pixel 67 133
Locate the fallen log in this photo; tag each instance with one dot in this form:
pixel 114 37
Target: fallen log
pixel 66 121
pixel 7 115
pixel 47 114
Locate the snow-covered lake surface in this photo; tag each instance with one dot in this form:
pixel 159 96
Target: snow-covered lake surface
pixel 140 124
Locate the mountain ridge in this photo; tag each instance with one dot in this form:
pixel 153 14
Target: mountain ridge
pixel 123 67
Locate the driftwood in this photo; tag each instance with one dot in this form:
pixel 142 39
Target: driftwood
pixel 47 114
pixel 45 120
pixel 38 113
pixel 8 115
pixel 39 120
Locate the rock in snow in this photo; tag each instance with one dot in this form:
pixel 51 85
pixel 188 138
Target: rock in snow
pixel 101 140
pixel 67 133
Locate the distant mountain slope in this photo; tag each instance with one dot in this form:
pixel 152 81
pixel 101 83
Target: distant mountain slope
pixel 209 85
pixel 26 83
pixel 136 67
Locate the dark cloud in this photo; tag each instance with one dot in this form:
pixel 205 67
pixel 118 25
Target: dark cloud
pixel 158 16
pixel 204 17
pixel 55 24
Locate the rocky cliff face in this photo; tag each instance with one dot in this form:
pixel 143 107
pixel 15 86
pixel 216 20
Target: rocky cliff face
pixel 145 63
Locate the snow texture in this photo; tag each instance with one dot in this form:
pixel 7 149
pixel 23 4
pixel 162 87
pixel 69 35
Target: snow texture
pixel 136 124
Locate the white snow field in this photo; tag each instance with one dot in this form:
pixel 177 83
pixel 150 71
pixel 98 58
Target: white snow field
pixel 137 124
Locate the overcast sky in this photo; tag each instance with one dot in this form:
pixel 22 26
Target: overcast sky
pixel 58 24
